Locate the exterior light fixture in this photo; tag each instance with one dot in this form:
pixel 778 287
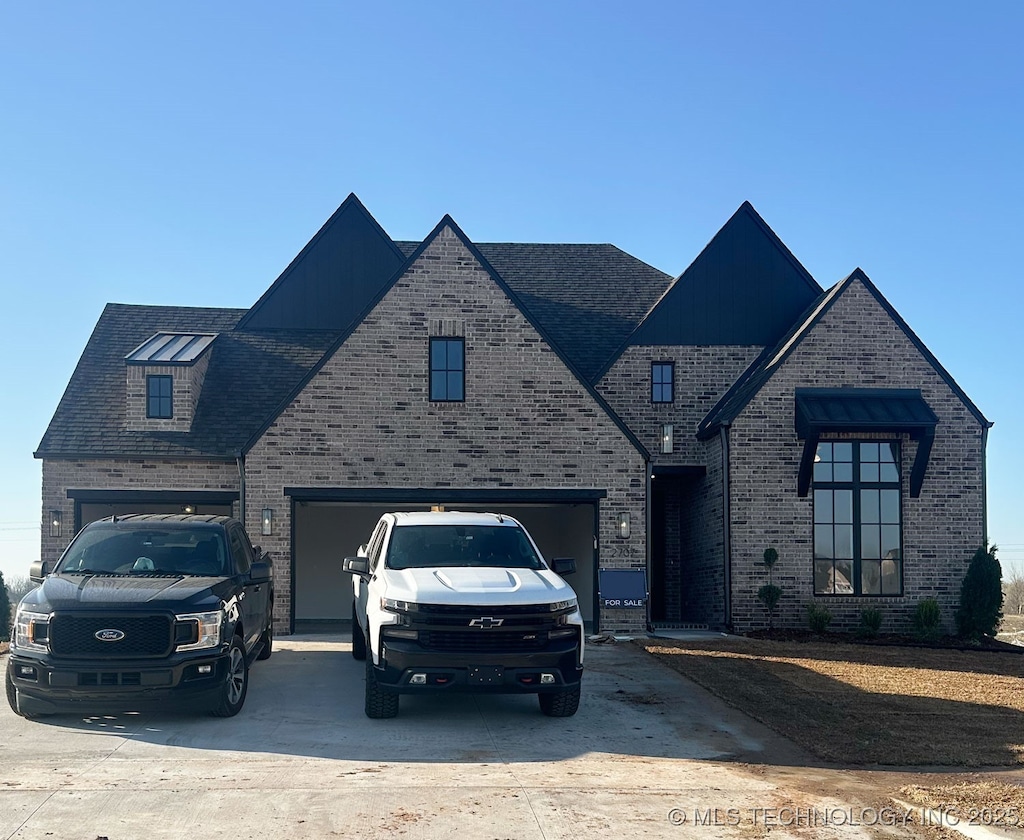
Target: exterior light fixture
pixel 188 508
pixel 267 522
pixel 56 519
pixel 667 435
pixel 622 527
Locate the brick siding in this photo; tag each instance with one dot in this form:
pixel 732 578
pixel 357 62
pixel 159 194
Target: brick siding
pixel 855 344
pixel 365 420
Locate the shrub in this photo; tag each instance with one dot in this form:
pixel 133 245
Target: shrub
pixel 819 617
pixel 870 622
pixel 981 596
pixel 769 594
pixel 5 612
pixel 927 619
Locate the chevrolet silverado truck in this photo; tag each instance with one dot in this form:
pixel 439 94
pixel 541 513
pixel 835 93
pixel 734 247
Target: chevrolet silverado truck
pixel 463 602
pixel 142 609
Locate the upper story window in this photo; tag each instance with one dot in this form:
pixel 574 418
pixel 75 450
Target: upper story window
pixel 447 369
pixel 159 396
pixel 663 377
pixel 857 519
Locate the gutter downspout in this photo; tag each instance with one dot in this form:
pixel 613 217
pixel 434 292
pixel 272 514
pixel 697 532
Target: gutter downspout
pixel 984 485
pixel 648 519
pixel 726 531
pixel 240 461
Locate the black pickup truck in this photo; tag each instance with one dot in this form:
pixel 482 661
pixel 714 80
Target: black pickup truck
pixel 142 609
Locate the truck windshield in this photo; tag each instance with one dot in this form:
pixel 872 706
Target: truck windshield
pixel 137 551
pixel 423 546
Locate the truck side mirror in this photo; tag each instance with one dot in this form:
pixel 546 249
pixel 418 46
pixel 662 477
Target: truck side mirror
pixel 564 565
pixel 357 566
pixel 38 570
pixel 260 572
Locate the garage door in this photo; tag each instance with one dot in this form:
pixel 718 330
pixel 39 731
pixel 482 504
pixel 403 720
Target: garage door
pixel 91 505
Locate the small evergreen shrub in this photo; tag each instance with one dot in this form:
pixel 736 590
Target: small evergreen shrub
pixel 819 617
pixel 981 596
pixel 769 594
pixel 5 611
pixel 927 619
pixel 870 622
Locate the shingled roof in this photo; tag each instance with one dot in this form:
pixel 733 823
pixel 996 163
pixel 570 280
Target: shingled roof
pixel 588 298
pixel 249 374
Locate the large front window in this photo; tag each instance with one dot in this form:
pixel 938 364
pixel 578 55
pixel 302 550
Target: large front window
pixel 857 519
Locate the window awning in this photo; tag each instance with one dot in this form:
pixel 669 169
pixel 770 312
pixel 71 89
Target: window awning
pixel 897 410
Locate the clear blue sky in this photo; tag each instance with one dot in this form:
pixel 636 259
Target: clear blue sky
pixel 183 153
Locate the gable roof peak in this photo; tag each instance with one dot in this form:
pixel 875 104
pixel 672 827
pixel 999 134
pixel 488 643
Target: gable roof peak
pixel 329 281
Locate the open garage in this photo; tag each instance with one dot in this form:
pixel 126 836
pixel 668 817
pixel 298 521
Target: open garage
pixel 329 525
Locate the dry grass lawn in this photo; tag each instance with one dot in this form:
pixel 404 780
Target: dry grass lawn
pixel 863 704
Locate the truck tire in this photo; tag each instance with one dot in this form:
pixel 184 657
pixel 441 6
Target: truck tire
pixel 358 639
pixel 236 682
pixel 380 704
pixel 560 704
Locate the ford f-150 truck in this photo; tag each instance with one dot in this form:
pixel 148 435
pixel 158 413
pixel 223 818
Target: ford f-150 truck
pixel 143 608
pixel 446 601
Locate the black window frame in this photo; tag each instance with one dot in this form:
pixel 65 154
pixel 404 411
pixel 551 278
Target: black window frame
pixel 857 485
pixel 659 383
pixel 159 401
pixel 446 371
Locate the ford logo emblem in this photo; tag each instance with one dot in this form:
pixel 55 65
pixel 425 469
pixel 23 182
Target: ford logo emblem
pixel 109 635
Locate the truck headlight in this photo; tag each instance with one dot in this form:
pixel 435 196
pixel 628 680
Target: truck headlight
pixel 568 605
pixel 396 606
pixel 31 631
pixel 196 631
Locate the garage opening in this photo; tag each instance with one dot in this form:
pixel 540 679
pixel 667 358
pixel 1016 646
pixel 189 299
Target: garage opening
pixel 91 505
pixel 326 531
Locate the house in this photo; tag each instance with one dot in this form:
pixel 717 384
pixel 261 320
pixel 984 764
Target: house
pixel 632 420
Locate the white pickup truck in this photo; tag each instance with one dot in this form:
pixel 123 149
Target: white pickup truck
pixel 454 602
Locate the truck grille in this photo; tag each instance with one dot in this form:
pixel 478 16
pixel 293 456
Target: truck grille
pixel 486 641
pixel 144 636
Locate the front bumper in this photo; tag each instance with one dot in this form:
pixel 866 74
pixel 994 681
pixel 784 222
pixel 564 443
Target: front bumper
pixel 552 669
pixel 46 685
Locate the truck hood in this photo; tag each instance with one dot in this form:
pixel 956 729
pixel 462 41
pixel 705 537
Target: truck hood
pixel 99 591
pixel 477 585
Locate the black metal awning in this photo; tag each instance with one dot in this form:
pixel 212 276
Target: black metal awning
pixel 898 410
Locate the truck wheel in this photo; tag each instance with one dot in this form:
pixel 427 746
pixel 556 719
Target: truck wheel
pixel 236 682
pixel 560 704
pixel 358 639
pixel 379 703
pixel 266 643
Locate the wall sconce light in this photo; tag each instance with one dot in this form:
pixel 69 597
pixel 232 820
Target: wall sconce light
pixel 267 523
pixel 622 526
pixel 56 519
pixel 188 508
pixel 667 433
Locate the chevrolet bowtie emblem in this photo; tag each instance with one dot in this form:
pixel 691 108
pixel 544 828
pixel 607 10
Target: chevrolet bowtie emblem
pixel 486 622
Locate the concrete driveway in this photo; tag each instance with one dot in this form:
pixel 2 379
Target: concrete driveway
pixel 302 761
